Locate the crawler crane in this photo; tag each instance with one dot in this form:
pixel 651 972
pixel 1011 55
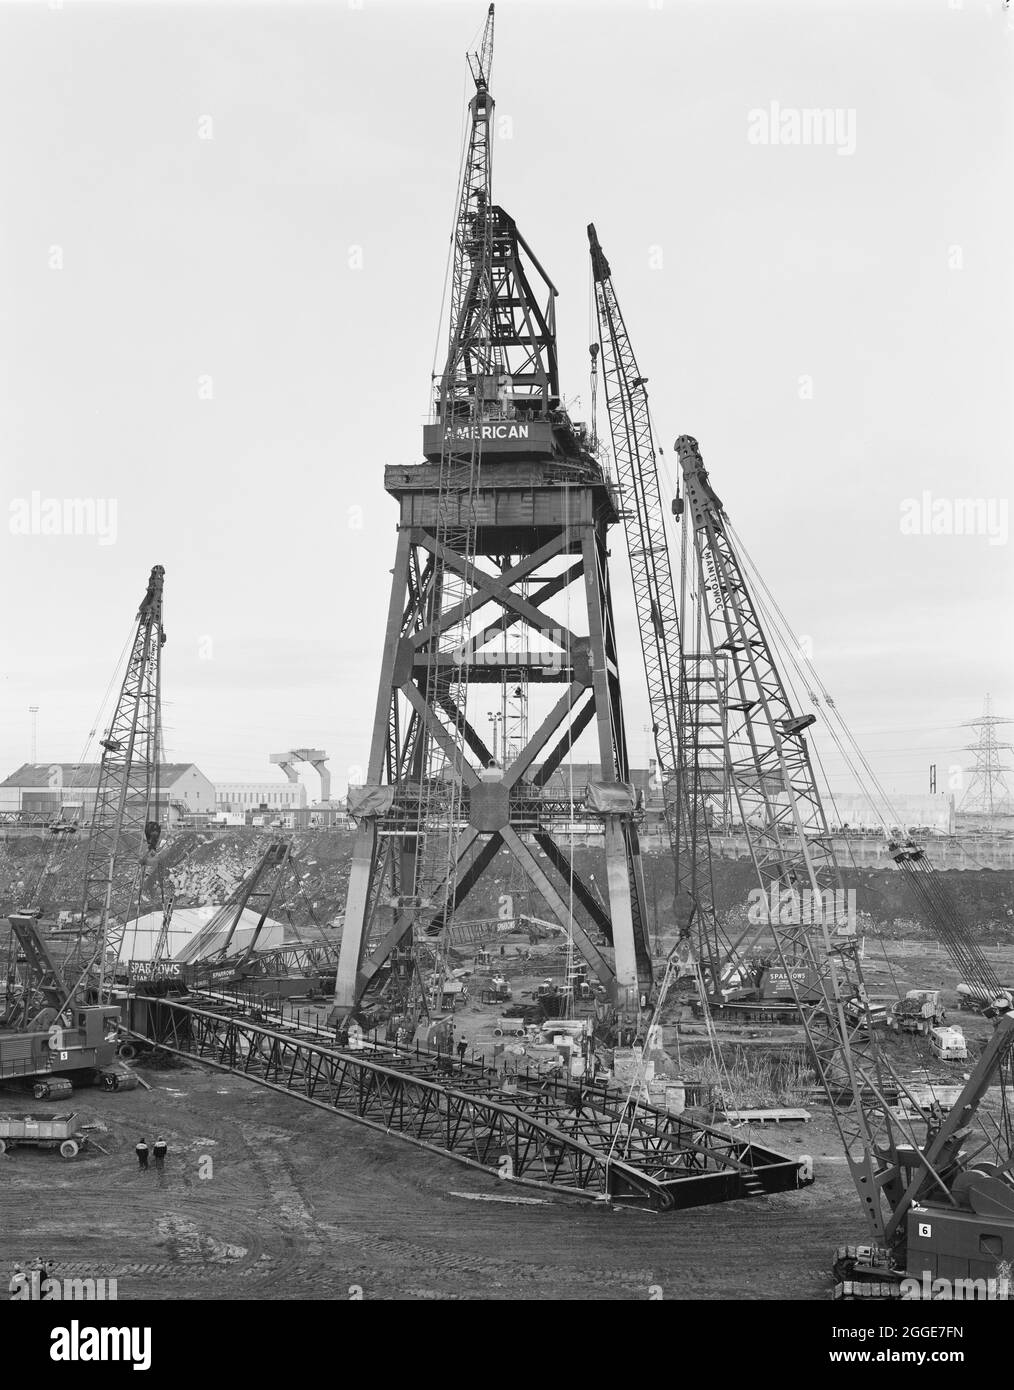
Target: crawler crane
pixel 125 829
pixel 939 1203
pixel 68 1023
pixel 725 729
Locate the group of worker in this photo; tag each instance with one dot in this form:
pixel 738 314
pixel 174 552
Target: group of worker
pixel 158 1152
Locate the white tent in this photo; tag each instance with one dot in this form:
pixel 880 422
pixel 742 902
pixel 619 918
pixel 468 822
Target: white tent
pixel 140 937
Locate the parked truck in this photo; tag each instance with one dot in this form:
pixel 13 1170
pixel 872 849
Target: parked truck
pixel 920 1011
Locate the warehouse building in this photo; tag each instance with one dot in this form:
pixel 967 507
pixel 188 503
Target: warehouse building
pixel 69 789
pixel 252 796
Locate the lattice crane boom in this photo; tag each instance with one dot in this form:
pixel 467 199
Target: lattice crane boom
pixel 468 361
pixel 480 62
pixel 162 942
pixel 125 816
pixel 430 870
pixel 761 739
pixel 679 701
pixel 256 892
pixel 771 776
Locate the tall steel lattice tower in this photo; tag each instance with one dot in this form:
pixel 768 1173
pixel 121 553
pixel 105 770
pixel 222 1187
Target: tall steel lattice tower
pixel 987 793
pixel 501 579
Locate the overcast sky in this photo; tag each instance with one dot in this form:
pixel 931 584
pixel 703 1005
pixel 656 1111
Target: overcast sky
pixel 222 250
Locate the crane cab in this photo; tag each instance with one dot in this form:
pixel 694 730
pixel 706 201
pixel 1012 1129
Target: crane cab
pixel 94 1023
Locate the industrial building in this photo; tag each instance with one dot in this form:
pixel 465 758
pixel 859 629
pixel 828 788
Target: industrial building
pixel 70 789
pixel 251 796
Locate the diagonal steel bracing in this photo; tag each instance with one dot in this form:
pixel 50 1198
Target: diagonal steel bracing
pixel 521 801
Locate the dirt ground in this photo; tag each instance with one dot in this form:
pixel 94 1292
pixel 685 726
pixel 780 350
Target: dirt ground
pixel 266 1198
pixel 302 1205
